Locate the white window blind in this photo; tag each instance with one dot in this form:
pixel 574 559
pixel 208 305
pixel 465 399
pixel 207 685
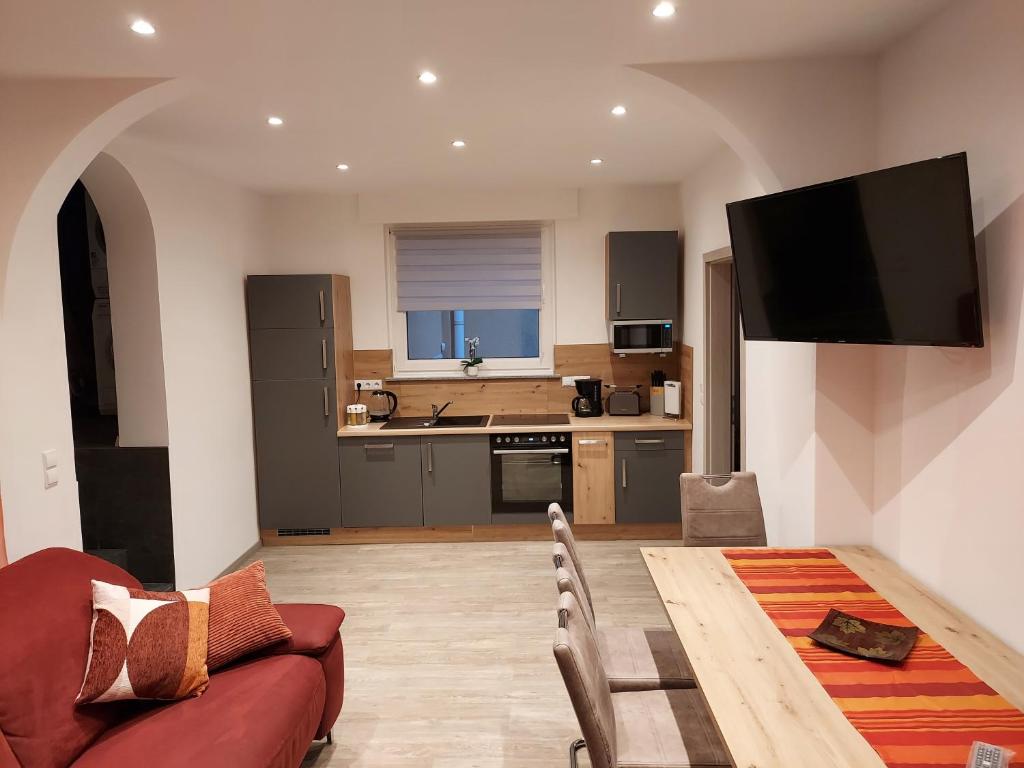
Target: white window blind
pixel 496 268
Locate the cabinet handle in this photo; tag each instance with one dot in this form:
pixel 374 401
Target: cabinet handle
pixel 618 298
pixel 624 481
pixel 379 447
pixel 587 441
pixel 430 457
pixel 648 442
pixel 327 403
pixel 323 308
pixel 323 352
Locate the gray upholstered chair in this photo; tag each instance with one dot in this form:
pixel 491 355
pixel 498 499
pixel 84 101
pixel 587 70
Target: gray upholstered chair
pixel 633 658
pixel 631 729
pixel 727 515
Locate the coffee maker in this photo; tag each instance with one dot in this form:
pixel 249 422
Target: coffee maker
pixel 588 401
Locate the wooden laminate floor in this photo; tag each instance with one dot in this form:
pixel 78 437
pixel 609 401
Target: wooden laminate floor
pixel 448 658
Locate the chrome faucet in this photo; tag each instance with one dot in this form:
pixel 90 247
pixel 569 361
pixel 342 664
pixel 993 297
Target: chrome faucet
pixel 435 412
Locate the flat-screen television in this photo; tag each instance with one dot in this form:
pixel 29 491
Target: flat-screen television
pixel 882 258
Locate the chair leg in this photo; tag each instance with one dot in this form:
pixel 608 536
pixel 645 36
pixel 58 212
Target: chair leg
pixel 574 748
pixel 330 737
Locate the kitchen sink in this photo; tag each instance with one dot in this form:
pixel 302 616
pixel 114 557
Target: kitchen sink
pixel 424 422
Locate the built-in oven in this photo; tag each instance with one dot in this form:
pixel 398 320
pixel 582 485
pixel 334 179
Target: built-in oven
pixel 529 470
pixel 635 336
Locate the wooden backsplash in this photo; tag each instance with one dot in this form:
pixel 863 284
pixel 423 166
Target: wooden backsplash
pixel 472 396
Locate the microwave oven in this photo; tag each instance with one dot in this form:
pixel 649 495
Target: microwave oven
pixel 635 336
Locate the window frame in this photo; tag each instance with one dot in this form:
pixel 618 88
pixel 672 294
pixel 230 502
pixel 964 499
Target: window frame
pixel 542 365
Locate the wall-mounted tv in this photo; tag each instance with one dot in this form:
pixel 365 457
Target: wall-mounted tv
pixel 882 258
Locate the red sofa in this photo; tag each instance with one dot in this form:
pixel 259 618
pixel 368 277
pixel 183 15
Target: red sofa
pixel 260 711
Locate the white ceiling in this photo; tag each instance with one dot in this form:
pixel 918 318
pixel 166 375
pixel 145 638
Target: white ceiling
pixel 527 83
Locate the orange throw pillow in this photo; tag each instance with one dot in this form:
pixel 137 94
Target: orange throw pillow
pixel 242 617
pixel 146 645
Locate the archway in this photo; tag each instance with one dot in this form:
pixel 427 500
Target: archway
pixel 62 126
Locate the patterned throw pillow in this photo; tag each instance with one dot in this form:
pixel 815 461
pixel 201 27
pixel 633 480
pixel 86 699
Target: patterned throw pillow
pixel 146 645
pixel 243 618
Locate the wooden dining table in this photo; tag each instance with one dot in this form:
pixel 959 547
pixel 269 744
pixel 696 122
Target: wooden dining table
pixel 771 710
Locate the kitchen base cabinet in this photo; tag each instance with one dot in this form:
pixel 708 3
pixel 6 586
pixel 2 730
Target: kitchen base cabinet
pixel 647 469
pixel 296 455
pixel 456 474
pixel 593 496
pixel 381 482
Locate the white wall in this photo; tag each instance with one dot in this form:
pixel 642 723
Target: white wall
pixel 206 232
pixel 722 178
pixel 948 422
pixel 325 233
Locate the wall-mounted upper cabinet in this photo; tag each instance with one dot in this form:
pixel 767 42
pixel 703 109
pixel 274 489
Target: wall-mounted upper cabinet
pixel 290 301
pixel 643 275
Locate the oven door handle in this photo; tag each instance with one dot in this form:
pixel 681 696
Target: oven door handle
pixel 514 451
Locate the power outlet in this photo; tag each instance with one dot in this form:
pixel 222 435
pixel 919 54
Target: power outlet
pixel 363 385
pixel 570 381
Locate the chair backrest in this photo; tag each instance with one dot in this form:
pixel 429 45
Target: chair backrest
pixel 578 660
pixel 555 513
pixel 728 515
pixel 569 581
pixel 563 535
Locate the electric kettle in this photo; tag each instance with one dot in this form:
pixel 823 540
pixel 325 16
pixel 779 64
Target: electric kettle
pixel 382 405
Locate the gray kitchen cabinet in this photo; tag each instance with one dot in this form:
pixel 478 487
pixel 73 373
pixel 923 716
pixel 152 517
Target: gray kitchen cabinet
pixel 643 275
pixel 381 483
pixel 647 469
pixel 456 479
pixel 296 454
pixel 290 301
pixel 292 353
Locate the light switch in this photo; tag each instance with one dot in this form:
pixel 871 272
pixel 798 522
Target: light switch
pixel 50 476
pixel 49 459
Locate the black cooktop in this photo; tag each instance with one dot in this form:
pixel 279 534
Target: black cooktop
pixel 528 419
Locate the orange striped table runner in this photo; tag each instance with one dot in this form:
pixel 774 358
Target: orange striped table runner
pixel 924 713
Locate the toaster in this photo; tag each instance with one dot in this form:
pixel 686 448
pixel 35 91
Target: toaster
pixel 624 403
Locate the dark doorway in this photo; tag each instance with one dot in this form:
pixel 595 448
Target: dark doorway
pixel 124 492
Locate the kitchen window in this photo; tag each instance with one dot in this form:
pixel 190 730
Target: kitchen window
pixel 451 286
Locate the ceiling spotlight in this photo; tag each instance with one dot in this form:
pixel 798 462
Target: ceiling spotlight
pixel 143 27
pixel 342 166
pixel 458 143
pixel 618 110
pixel 664 10
pixel 274 120
pixel 596 161
pixel 427 77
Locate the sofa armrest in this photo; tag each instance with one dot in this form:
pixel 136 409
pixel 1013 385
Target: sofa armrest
pixel 314 627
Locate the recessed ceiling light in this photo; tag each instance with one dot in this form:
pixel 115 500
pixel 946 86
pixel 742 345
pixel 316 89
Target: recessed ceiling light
pixel 664 10
pixel 342 166
pixel 427 77
pixel 143 27
pixel 618 110
pixel 596 161
pixel 458 143
pixel 274 120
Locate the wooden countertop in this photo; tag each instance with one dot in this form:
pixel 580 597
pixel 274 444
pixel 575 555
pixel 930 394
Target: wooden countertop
pixel 771 710
pixel 642 423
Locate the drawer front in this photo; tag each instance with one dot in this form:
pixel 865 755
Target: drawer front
pixel 668 440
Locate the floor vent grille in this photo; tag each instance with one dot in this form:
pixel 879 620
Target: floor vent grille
pixel 303 531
